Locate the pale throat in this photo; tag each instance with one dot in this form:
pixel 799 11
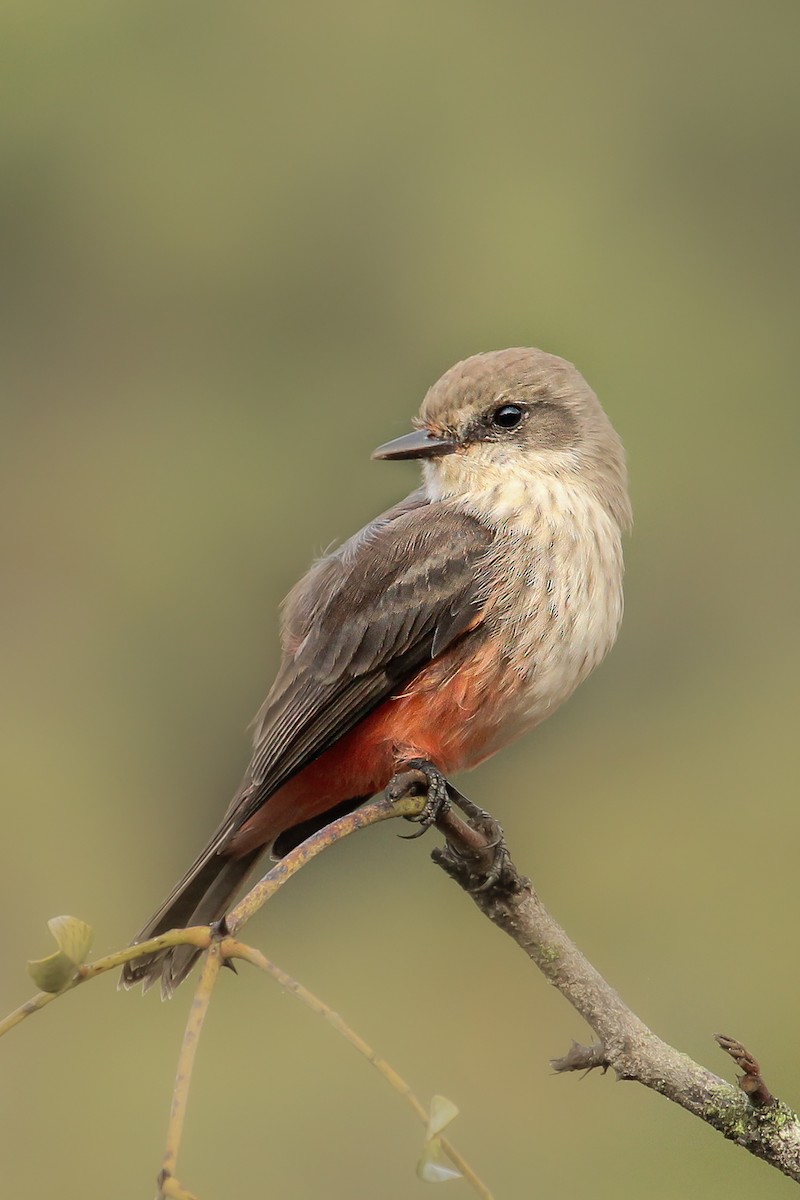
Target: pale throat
pixel 545 488
pixel 558 566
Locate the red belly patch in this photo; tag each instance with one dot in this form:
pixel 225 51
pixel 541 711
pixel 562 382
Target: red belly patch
pixel 449 714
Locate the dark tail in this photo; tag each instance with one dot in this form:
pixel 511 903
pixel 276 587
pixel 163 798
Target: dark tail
pixel 202 897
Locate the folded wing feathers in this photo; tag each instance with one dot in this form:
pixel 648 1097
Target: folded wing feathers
pixel 396 595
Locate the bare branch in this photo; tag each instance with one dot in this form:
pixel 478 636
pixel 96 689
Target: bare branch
pixel 476 857
pixel 751 1117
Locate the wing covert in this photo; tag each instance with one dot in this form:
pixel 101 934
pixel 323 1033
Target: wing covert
pixel 364 620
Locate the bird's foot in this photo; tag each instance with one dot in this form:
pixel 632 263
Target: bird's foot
pixel 419 777
pixel 482 863
pixel 475 853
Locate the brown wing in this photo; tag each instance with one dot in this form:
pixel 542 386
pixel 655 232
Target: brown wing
pixel 360 625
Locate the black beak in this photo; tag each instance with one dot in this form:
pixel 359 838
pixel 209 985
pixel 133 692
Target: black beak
pixel 419 444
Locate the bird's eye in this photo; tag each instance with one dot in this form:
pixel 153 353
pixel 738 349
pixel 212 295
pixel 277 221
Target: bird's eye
pixel 508 416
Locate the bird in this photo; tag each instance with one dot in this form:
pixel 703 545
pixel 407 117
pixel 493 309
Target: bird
pixel 447 627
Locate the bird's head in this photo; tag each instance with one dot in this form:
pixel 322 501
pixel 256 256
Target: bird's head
pixel 512 418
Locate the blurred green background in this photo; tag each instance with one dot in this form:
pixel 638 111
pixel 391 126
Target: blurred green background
pixel 239 242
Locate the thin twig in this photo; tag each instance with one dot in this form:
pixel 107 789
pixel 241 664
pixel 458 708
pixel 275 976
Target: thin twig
pixel 195 935
pixel 235 949
pixel 34 1005
pixel 757 1121
pixel 183 1077
pixel 200 935
pixel 370 814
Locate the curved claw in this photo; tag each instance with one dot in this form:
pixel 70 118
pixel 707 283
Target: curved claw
pixel 411 837
pixel 494 876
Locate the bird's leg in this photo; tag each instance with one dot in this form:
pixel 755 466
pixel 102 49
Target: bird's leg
pixel 477 863
pixel 418 777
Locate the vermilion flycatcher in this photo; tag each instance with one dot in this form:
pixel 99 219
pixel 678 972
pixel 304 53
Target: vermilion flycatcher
pixel 456 621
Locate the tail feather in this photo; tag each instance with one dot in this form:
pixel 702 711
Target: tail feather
pixel 205 894
pixel 202 897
